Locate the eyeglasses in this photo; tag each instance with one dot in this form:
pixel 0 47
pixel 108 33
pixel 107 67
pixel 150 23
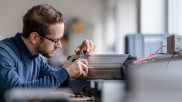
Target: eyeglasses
pixel 56 42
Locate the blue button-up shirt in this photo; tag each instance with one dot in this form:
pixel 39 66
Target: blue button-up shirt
pixel 18 68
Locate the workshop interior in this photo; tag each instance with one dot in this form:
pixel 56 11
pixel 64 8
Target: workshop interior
pixel 138 56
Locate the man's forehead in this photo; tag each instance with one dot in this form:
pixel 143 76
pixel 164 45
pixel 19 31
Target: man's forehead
pixel 56 29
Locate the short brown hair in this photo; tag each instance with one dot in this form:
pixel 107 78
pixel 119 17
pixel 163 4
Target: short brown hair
pixel 38 19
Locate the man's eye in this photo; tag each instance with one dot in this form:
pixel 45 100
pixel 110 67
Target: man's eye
pixel 56 40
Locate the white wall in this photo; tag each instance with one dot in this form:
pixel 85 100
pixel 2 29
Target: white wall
pixel 175 17
pixel 111 20
pixel 127 15
pixel 120 19
pixel 89 11
pixel 153 16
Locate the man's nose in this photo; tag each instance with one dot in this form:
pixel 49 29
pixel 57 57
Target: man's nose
pixel 58 44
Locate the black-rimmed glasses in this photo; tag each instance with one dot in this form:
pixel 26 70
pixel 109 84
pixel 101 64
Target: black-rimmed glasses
pixel 56 41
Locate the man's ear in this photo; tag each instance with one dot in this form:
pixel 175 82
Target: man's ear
pixel 34 37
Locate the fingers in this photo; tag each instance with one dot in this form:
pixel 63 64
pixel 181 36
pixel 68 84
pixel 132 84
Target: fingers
pixel 87 42
pixel 77 49
pixel 84 44
pixel 77 68
pixel 88 45
pixel 83 67
pixel 84 61
pixel 80 67
pixel 92 47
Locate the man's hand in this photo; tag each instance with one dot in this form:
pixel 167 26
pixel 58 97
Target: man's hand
pixel 77 68
pixel 87 45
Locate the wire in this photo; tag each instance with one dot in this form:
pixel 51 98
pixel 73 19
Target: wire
pixel 159 49
pixel 148 58
pixel 172 58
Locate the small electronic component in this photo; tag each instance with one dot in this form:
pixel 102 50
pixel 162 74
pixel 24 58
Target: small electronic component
pixel 174 43
pixel 79 54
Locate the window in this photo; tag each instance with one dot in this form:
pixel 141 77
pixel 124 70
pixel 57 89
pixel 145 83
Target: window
pixel 175 16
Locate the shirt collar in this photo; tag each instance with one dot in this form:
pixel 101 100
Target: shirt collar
pixel 24 52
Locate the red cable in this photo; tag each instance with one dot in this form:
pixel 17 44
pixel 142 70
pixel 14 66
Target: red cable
pixel 148 58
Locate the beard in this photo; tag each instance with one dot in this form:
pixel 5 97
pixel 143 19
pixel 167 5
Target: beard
pixel 47 53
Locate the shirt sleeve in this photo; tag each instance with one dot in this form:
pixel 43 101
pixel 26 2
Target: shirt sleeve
pixel 9 78
pixel 47 70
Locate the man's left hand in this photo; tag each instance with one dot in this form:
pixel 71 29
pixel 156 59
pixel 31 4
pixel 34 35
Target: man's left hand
pixel 87 45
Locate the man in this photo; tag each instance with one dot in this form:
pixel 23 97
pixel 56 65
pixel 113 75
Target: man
pixel 20 63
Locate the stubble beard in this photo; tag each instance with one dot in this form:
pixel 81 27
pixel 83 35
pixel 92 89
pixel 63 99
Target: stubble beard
pixel 46 54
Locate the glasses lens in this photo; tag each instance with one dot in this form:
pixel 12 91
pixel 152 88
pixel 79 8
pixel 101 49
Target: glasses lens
pixel 57 43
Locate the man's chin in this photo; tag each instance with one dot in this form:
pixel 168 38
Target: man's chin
pixel 49 55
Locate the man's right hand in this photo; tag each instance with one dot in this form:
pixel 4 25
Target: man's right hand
pixel 77 68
